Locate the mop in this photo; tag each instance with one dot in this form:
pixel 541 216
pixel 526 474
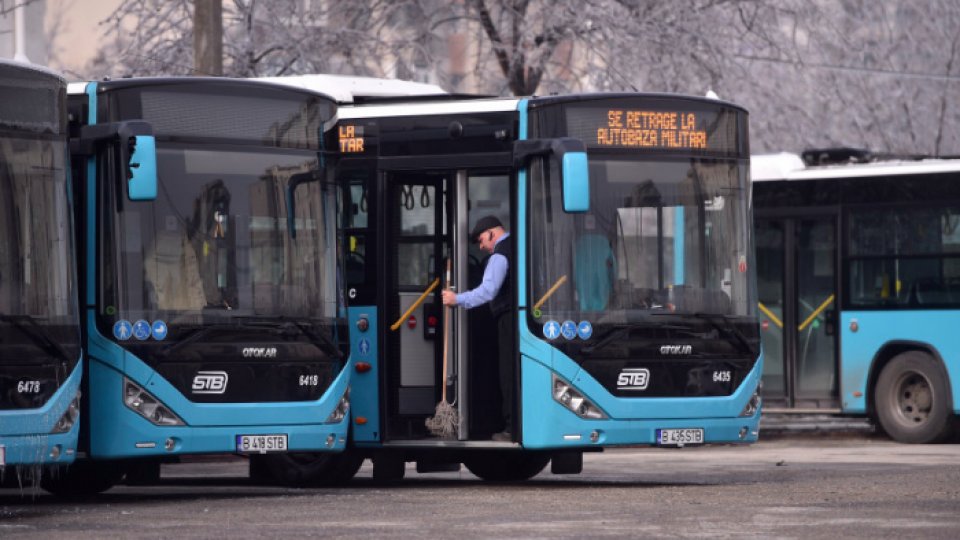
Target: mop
pixel 446 419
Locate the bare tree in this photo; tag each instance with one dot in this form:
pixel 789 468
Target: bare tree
pixel 880 75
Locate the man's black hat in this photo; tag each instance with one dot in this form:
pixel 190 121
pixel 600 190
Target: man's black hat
pixel 483 224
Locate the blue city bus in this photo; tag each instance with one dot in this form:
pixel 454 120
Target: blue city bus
pixel 859 282
pixel 632 268
pixel 208 278
pixel 40 358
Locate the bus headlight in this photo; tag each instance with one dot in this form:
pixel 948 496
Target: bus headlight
pixel 753 405
pixel 69 418
pixel 143 403
pixel 341 410
pixel 573 400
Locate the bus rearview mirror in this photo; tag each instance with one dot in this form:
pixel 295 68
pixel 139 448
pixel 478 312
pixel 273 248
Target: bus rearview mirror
pixel 139 158
pixel 576 182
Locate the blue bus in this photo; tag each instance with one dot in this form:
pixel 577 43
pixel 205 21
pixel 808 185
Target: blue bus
pixel 40 359
pixel 631 269
pixel 859 280
pixel 208 278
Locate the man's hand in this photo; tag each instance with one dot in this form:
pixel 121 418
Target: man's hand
pixel 449 298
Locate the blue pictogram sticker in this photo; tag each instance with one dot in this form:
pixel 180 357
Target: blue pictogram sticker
pixel 551 330
pixel 122 330
pixel 584 330
pixel 141 329
pixel 363 346
pixel 568 329
pixel 159 330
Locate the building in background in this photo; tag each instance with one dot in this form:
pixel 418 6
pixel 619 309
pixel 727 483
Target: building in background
pixel 36 47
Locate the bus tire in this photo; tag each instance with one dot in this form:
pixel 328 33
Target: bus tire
pixel 84 478
pixel 912 399
pixel 506 467
pixel 305 469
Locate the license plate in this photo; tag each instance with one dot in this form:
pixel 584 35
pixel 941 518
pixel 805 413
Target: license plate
pixel 680 436
pixel 261 443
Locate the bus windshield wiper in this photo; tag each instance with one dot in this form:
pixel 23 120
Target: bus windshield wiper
pixel 611 336
pixel 283 323
pixel 29 327
pixel 199 331
pixel 728 328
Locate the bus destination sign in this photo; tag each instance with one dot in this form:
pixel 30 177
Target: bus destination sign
pixel 651 129
pixel 654 129
pixel 351 139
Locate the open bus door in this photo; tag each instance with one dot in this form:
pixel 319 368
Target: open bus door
pixel 427 221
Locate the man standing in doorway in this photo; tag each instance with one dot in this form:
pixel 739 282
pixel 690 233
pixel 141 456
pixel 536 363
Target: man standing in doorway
pixel 496 289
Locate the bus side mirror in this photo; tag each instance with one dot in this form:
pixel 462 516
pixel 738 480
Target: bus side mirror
pixel 136 151
pixel 139 162
pixel 570 157
pixel 576 182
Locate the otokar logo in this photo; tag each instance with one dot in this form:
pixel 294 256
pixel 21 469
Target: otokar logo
pixel 676 349
pixel 259 352
pixel 633 379
pixel 210 382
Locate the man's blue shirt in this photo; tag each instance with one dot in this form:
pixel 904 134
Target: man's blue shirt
pixel 493 276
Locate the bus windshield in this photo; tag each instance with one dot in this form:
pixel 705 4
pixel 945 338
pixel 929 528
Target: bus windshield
pixel 661 238
pixel 216 246
pixel 38 301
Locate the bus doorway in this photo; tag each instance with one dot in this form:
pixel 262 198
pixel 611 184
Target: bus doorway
pixel 429 216
pixel 797 291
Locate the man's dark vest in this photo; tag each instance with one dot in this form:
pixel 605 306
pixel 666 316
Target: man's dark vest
pixel 503 301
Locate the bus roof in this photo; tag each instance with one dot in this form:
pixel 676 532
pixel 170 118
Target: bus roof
pixel 789 166
pixel 128 82
pixel 349 89
pixel 428 108
pixel 5 62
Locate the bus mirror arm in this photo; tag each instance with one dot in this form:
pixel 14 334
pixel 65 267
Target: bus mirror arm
pixel 570 156
pixel 136 153
pixel 292 185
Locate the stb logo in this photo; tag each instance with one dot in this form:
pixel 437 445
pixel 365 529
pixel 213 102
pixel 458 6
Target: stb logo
pixel 210 382
pixel 633 379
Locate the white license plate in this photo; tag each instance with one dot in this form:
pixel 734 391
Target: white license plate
pixel 679 436
pixel 261 443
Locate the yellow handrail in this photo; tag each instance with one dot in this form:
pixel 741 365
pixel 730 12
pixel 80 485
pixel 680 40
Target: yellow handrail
pixel 818 311
pixel 549 293
pixel 415 305
pixel 770 315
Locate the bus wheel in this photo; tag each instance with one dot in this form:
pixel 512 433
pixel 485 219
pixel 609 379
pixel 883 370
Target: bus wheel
pixel 304 469
pixel 504 467
pixel 912 399
pixel 84 478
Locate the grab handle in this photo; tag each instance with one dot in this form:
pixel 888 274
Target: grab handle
pixel 536 307
pixel 415 305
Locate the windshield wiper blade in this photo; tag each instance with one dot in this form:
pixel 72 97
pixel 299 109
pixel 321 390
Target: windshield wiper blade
pixel 728 328
pixel 323 342
pixel 200 331
pixel 283 323
pixel 607 339
pixel 29 326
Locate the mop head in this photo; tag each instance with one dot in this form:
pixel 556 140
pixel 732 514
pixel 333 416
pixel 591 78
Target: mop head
pixel 444 422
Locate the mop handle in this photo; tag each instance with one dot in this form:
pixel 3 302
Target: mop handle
pixel 446 337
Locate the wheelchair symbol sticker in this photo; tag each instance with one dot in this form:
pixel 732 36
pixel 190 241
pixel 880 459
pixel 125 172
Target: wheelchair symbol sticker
pixel 141 330
pixel 569 330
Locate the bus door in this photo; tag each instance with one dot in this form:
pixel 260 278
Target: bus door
pixel 417 246
pixel 429 217
pixel 797 291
